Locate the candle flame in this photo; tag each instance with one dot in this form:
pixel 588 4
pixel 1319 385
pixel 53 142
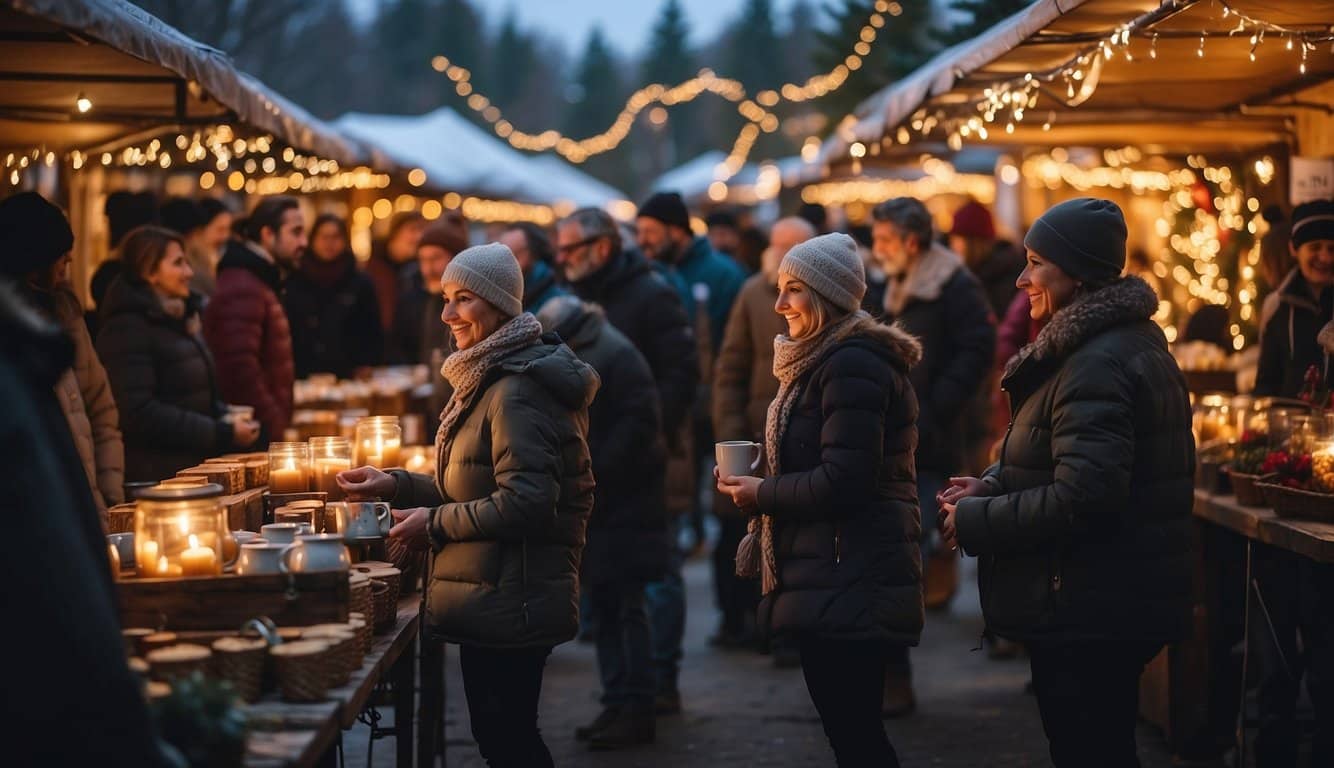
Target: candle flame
pixel 291 463
pixel 183 524
pixel 162 564
pixel 194 541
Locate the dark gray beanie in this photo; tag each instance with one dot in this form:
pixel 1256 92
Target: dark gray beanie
pixel 1085 237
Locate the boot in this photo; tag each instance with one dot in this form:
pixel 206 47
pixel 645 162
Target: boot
pixel 585 732
pixel 898 700
pixel 667 702
pixel 631 726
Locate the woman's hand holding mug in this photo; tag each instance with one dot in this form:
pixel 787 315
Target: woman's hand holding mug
pixel 367 484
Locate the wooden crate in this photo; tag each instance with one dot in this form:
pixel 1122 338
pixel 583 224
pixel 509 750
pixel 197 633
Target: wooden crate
pixel 230 476
pixel 245 510
pixel 256 470
pixel 226 602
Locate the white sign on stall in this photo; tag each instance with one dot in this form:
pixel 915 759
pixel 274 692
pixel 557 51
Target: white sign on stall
pixel 1312 179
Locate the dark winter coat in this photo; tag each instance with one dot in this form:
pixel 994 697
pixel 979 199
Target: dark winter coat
pixel 844 504
pixel 52 514
pixel 388 279
pixel 1289 347
pixel 743 378
pixel 950 316
pixel 627 534
pixel 248 334
pixel 540 286
pixel 417 329
pixel 164 382
pixel 702 265
pixel 644 307
pixel 334 318
pixel 511 497
pixel 1087 536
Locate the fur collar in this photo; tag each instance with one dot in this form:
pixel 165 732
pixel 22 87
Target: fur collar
pixel 1127 300
pixel 925 281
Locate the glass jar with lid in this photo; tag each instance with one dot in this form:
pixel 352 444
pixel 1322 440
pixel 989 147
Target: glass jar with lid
pixel 1213 419
pixel 378 442
pixel 179 531
pixel 289 467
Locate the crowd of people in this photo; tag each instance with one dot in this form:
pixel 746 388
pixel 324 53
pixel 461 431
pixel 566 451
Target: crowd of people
pixel 914 392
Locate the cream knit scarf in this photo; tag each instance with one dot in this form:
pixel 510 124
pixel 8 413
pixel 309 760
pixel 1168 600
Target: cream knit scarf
pixel 466 368
pixel 793 359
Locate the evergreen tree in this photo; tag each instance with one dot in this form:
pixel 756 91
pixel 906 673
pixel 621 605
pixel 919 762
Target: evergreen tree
pixel 982 15
pixel 596 99
pixel 669 61
pixel 800 41
pixel 513 58
pixel 903 44
pixel 454 29
pixel 755 55
pixel 404 56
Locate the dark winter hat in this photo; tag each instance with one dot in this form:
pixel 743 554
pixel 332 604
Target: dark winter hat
pixel 1085 237
pixel 1312 221
pixel 33 234
pixel 667 207
pixel 450 232
pixel 831 266
pixel 973 220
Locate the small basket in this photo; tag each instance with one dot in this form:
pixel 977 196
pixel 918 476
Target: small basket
pixel 383 611
pixel 178 661
pixel 152 642
pixel 357 623
pixel 1299 504
pixel 1248 494
pixel 302 669
pixel 240 661
pixel 120 518
pixel 343 650
pixel 359 593
pixel 133 638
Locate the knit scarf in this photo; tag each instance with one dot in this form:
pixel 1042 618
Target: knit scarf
pixel 793 359
pixel 466 368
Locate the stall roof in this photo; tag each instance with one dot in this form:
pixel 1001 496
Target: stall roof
pixel 1163 97
pixel 458 156
pixel 141 76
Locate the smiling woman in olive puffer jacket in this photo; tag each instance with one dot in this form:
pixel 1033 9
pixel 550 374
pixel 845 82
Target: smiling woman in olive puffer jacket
pixel 1082 527
pixel 507 508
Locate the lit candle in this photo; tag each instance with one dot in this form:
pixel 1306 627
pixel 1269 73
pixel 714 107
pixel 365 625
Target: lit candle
pixel 326 476
pixel 199 560
pixel 147 556
pixel 287 479
pixel 163 567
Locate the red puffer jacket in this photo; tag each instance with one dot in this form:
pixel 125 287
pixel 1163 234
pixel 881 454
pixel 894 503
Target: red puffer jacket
pixel 247 331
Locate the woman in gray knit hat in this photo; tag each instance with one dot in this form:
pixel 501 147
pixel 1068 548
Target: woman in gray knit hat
pixel 1083 526
pixel 834 524
pixel 506 509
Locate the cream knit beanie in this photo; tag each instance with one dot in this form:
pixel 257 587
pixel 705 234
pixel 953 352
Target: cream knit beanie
pixel 491 272
pixel 829 264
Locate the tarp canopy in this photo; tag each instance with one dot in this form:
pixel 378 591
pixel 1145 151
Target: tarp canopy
pixel 1068 61
pixel 459 156
pixel 141 76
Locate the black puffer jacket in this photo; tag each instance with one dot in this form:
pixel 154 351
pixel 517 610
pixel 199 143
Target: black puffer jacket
pixel 844 503
pixel 1289 346
pixel 627 536
pixel 641 305
pixel 163 379
pixel 1088 533
pixel 334 317
pixel 512 498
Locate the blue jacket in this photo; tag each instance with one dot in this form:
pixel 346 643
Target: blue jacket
pixel 702 264
pixel 540 286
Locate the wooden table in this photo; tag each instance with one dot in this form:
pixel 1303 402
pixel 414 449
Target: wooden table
pixel 288 734
pixel 1307 538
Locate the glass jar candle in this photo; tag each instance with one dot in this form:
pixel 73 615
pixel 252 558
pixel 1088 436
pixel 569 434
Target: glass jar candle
pixel 289 467
pixel 328 457
pixel 419 459
pixel 1213 419
pixel 179 531
pixel 378 441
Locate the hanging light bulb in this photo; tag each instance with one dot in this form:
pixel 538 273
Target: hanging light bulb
pixel 83 103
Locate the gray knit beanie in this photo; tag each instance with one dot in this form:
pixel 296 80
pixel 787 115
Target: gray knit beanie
pixel 829 264
pixel 1085 237
pixel 491 272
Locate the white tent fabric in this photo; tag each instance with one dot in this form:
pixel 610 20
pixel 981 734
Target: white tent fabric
pixel 459 156
pixel 693 177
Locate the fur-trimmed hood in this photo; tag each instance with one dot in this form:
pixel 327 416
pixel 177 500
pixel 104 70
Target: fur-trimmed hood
pixel 1127 300
pixel 898 342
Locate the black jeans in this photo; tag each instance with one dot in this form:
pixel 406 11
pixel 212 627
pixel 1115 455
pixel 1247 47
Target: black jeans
pixel 624 646
pixel 737 597
pixel 1088 695
pixel 1299 596
pixel 846 679
pixel 502 686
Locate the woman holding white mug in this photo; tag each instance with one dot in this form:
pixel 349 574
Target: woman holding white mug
pixel 506 510
pixel 835 524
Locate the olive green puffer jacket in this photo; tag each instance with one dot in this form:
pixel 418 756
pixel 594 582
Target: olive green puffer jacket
pixel 511 501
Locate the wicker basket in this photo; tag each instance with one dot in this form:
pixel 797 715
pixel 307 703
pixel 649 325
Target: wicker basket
pixel 342 648
pixel 120 518
pixel 240 661
pixel 383 612
pixel 156 640
pixel 1248 494
pixel 178 661
pixel 386 573
pixel 302 669
pixel 133 638
pixel 1297 503
pixel 359 593
pixel 357 623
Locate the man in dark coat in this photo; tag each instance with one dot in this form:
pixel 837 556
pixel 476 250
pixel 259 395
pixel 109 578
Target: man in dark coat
pixel 627 539
pixel 932 296
pixel 72 676
pixel 331 307
pixel 245 324
pixel 532 247
pixel 642 306
pixel 417 335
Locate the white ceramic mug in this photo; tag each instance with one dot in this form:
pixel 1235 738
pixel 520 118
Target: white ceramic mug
pixel 737 458
pixel 258 558
pixel 282 533
pixel 320 552
pixel 124 544
pixel 366 520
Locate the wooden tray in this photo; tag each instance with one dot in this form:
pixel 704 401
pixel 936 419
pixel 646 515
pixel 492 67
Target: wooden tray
pixel 1249 494
pixel 1296 503
pixel 226 602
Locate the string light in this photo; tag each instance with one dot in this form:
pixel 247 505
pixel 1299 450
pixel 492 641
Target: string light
pixel 83 103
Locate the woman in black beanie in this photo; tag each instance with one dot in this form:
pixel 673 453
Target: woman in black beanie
pixel 1082 526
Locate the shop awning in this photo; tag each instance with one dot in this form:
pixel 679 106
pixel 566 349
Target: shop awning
pixel 139 76
pixel 1109 73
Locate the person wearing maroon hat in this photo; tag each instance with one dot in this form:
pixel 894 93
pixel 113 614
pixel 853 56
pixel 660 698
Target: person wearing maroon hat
pixel 997 263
